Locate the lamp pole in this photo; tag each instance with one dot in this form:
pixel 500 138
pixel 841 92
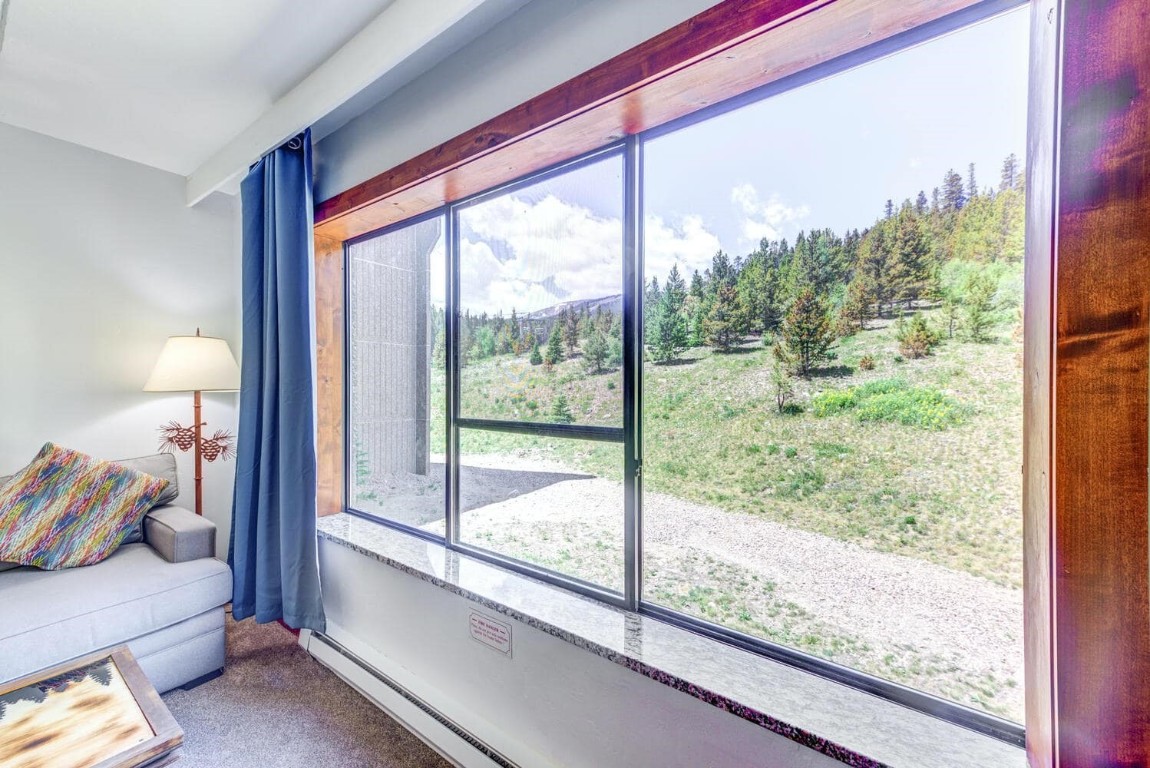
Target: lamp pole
pixel 198 454
pixel 198 422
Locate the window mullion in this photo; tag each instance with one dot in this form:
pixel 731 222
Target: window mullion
pixel 451 497
pixel 632 370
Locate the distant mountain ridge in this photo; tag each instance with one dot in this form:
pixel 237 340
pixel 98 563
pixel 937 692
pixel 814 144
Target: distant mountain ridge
pixel 612 304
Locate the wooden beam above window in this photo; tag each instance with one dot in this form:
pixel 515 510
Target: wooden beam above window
pixel 728 50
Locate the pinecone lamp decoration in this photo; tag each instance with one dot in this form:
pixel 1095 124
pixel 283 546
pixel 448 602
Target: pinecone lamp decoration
pixel 196 364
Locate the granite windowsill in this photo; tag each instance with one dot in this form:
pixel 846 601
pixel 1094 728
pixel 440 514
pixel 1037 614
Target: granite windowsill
pixel 847 724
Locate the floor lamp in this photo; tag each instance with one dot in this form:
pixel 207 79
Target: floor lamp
pixel 195 364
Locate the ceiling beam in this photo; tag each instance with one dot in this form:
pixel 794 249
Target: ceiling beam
pixel 402 29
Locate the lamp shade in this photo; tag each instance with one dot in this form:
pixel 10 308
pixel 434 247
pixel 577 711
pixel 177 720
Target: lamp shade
pixel 189 363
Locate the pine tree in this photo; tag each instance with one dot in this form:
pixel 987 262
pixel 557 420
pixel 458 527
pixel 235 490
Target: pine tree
pixel 695 310
pixel 698 289
pixel 978 306
pixel 676 284
pixel 536 358
pixel 806 334
pixel 916 338
pixel 514 335
pixel 910 268
pixel 888 209
pixel 953 196
pixel 669 337
pixel 1009 178
pixel 561 411
pixel 722 271
pixel 595 350
pixel 758 289
pixel 554 353
pixel 724 325
pixel 615 342
pixel 571 330
pixel 971 185
pixel 875 262
pixel 651 296
pixel 921 206
pixel 855 310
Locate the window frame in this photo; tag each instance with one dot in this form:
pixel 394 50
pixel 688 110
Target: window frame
pixel 630 435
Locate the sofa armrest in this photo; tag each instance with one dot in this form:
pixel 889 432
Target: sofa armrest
pixel 179 534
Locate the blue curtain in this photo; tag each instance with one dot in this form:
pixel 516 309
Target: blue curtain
pixel 273 541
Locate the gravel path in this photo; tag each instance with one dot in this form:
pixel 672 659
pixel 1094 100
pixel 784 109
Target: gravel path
pixel 968 628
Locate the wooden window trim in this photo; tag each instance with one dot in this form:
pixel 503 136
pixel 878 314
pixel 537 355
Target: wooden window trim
pixel 1087 348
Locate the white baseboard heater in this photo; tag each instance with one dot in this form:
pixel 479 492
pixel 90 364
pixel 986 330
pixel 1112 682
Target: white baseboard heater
pixel 438 731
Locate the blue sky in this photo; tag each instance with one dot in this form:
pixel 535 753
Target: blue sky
pixel 840 147
pixel 828 154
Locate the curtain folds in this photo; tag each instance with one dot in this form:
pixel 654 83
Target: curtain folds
pixel 273 540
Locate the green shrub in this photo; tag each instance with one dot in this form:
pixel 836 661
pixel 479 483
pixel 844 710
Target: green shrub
pixel 834 401
pixel 561 411
pixel 892 400
pixel 916 338
pixel 925 408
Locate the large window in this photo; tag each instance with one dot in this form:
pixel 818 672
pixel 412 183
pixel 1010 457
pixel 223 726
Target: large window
pixel 757 373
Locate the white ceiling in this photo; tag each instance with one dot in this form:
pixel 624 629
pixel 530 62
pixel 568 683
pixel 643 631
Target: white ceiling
pixel 163 82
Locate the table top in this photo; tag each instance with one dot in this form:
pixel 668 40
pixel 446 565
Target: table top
pixel 98 711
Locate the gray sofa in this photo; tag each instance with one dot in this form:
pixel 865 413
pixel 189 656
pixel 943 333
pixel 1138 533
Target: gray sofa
pixel 164 596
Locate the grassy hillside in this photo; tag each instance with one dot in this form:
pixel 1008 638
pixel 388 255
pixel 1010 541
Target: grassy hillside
pixel 713 435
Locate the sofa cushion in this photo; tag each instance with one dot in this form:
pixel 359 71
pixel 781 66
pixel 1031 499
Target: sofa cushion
pixel 157 465
pixel 67 509
pixel 48 617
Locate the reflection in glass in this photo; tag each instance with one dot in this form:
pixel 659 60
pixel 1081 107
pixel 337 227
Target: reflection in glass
pixel 397 446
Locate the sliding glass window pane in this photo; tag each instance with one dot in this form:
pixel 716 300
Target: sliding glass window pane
pixel 552 502
pixel 833 402
pixel 541 283
pixel 397 353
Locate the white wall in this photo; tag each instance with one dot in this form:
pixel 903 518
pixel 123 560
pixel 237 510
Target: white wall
pixel 540 46
pixel 100 261
pixel 551 703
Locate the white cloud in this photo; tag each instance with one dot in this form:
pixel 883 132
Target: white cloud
pixel 764 219
pixel 531 255
pixel 688 243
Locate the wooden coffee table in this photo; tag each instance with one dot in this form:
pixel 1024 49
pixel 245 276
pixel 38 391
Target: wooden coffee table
pixel 99 711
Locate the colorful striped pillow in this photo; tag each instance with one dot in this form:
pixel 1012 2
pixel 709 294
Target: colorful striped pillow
pixel 67 509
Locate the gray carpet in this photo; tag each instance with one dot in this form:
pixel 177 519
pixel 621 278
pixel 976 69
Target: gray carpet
pixel 275 706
